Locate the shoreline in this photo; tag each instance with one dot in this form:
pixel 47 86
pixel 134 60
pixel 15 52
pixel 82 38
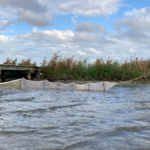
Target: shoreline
pixel 140 81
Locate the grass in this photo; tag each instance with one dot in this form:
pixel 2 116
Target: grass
pixel 68 68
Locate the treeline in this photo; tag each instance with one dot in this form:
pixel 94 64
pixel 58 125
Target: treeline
pixel 59 68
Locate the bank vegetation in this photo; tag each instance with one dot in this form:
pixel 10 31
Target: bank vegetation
pixel 59 68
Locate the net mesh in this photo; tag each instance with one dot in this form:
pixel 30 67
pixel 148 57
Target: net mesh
pixel 109 85
pixel 97 86
pixel 24 84
pixel 32 85
pixel 81 87
pixel 16 84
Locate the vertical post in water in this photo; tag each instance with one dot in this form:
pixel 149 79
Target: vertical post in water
pixel 58 85
pixel 44 84
pixel 29 76
pixel 88 86
pixel 104 86
pixel 20 83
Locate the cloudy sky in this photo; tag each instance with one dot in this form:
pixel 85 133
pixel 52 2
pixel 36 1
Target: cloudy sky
pixel 89 29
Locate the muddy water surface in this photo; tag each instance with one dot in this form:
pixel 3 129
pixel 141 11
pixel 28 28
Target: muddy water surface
pixel 76 120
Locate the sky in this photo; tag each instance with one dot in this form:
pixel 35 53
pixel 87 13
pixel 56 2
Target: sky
pixel 35 29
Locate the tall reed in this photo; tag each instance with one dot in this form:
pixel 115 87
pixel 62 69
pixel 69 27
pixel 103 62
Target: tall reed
pixel 26 62
pixel 69 68
pixel 10 61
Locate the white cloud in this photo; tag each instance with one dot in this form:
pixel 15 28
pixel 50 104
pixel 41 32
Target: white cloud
pixel 132 50
pixel 9 55
pixel 50 35
pixel 74 21
pixel 7 13
pixel 7 31
pixel 90 8
pixel 135 20
pixel 89 27
pixel 135 27
pixel 95 51
pixel 34 29
pixel 88 39
pixel 81 53
pixel 20 56
pixel 84 7
pixel 32 18
pixel 4 39
pixel 42 13
pixel 4 24
pixel 32 5
pixel 40 44
pixel 29 11
pixel 138 12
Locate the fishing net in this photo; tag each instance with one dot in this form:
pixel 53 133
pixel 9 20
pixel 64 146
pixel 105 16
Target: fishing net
pixel 32 85
pixel 24 84
pixel 16 84
pixel 108 85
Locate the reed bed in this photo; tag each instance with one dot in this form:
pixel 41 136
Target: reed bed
pixel 71 69
pixel 59 68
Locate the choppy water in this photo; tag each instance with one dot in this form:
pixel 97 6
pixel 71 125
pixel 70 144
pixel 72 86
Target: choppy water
pixel 75 120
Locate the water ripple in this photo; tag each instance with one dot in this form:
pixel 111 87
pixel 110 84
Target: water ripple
pixel 76 120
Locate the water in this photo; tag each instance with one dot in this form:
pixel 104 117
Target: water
pixel 76 120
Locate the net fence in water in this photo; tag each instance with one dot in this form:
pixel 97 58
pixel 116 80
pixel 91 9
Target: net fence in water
pixel 16 84
pixel 24 84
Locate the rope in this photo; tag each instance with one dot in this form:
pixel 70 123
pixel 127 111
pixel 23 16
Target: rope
pixel 5 83
pixel 135 78
pixel 104 86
